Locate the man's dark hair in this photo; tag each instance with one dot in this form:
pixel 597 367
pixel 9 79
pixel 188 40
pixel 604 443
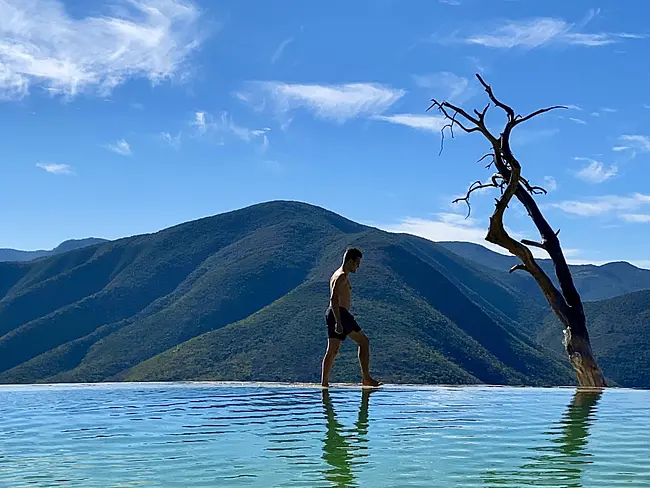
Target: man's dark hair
pixel 352 253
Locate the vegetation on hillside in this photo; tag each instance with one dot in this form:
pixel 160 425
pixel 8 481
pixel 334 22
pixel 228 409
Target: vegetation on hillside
pixel 241 296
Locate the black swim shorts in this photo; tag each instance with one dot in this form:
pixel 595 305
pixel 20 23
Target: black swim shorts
pixel 349 323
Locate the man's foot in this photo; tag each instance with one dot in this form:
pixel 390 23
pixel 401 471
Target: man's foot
pixel 371 382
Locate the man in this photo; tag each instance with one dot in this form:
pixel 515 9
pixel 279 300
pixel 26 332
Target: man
pixel 341 323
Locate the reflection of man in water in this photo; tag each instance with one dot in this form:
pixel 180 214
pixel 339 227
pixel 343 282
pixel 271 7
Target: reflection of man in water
pixel 338 452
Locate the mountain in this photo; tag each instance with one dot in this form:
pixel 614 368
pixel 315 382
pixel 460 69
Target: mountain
pixel 16 255
pixel 619 329
pixel 241 296
pixel 593 282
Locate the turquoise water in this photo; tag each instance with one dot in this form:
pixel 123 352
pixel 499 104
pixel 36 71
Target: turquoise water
pixel 222 435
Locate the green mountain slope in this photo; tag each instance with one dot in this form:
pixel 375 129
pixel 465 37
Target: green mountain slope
pixel 593 282
pixel 619 329
pixel 255 281
pixel 422 328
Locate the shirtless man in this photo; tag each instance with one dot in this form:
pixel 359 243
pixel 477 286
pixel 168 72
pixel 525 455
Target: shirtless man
pixel 341 323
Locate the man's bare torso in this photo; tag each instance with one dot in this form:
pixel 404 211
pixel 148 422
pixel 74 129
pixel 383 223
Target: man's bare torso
pixel 344 293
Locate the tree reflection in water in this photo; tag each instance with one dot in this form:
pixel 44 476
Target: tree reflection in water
pixel 561 464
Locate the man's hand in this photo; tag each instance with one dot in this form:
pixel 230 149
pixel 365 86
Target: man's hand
pixel 338 327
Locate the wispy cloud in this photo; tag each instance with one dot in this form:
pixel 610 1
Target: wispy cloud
pixel 277 54
pixel 224 124
pixel 447 86
pixel 551 183
pixel 173 141
pixel 120 147
pixel 445 226
pixel 454 3
pixel 42 44
pixel 595 171
pixel 640 143
pixel 538 32
pixel 426 123
pixel 57 169
pixel 636 218
pixel 338 103
pixel 603 205
pixel 578 121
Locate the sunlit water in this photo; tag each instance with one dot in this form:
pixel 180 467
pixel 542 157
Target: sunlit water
pixel 279 435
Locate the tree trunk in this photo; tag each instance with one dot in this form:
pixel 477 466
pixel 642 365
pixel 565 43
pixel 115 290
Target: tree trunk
pixel 566 303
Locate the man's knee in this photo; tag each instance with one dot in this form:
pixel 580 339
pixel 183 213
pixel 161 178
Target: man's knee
pixel 362 340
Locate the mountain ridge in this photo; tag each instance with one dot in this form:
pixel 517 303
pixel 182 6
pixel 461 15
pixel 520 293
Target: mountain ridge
pixel 241 295
pixel 16 255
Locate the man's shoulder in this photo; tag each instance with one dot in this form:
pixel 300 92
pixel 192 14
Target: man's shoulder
pixel 339 275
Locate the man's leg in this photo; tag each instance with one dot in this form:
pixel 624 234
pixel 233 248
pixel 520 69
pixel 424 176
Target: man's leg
pixel 333 346
pixel 364 357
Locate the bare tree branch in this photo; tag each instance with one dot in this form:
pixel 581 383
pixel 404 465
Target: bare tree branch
pixel 536 113
pixel 488 89
pixel 518 267
pixel 566 303
pixel 533 243
pixel 472 189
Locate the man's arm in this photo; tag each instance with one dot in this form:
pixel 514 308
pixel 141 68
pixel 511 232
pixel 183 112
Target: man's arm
pixel 334 300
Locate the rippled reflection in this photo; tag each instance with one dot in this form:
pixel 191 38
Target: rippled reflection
pixel 561 464
pixel 339 450
pixel 292 436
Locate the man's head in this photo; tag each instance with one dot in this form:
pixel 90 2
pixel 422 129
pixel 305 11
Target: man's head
pixel 352 259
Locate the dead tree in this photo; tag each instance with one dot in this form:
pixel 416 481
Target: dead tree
pixel 566 303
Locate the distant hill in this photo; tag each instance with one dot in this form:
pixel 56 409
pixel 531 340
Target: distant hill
pixel 619 329
pixel 593 282
pixel 69 245
pixel 241 296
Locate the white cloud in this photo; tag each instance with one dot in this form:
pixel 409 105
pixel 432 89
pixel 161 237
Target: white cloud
pixel 42 44
pixel 638 218
pixel 603 204
pixel 57 169
pixel 120 147
pixel 640 143
pixel 540 32
pixel 447 86
pixel 331 102
pixel 551 183
pixel 205 123
pixel 173 141
pixel 595 171
pixel 277 54
pixel 454 3
pixel 577 121
pixel 420 122
pixel 455 227
pixel 620 148
pixel 199 122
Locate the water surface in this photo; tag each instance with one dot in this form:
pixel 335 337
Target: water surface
pixel 260 435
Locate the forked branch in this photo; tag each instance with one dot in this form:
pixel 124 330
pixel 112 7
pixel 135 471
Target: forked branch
pixel 566 304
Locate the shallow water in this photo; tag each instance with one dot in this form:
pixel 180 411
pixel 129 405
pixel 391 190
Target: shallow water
pixel 282 435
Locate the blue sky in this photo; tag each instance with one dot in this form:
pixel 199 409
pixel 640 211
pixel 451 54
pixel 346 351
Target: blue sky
pixel 124 117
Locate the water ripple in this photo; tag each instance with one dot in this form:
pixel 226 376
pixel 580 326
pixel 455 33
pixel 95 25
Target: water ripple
pixel 267 436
